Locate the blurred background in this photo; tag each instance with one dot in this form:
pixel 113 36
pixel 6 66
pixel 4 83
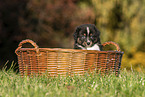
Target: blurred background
pixel 51 23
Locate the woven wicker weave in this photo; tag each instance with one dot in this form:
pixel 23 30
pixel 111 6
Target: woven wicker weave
pixel 56 61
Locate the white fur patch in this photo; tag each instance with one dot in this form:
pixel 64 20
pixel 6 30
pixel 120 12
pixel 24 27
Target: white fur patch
pixel 88 30
pixel 95 47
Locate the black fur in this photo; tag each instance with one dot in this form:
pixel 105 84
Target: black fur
pixel 81 36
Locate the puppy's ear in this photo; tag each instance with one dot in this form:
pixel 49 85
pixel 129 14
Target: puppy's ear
pixel 98 32
pixel 98 35
pixel 76 33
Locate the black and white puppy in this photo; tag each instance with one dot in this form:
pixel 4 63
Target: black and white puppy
pixel 87 37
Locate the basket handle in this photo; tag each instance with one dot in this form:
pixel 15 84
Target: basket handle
pixel 27 41
pixel 113 43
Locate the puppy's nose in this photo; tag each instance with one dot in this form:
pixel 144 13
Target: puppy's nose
pixel 88 43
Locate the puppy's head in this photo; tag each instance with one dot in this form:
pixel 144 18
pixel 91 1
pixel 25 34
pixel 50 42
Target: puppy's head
pixel 87 35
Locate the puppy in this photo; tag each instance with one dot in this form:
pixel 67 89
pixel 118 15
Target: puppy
pixel 87 37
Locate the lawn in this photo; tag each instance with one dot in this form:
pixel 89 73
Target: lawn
pixel 127 84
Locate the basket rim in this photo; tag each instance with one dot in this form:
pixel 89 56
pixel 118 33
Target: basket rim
pixel 69 50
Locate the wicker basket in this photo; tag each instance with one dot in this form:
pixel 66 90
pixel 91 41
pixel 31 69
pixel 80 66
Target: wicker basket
pixel 56 61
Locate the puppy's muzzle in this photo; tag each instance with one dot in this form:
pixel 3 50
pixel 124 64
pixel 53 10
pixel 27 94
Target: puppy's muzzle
pixel 89 43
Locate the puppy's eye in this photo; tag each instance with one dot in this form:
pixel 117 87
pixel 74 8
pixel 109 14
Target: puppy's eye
pixel 91 34
pixel 84 34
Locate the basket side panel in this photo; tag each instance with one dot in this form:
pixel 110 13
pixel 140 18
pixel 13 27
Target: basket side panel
pixel 30 64
pixel 25 66
pixel 111 62
pixel 118 63
pixel 120 59
pixel 20 62
pixel 26 63
pixel 102 63
pixel 58 63
pixel 33 62
pixel 42 62
pixel 52 63
pixel 63 62
pixel 78 63
pixel 91 62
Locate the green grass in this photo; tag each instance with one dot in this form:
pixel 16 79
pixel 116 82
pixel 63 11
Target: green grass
pixel 128 84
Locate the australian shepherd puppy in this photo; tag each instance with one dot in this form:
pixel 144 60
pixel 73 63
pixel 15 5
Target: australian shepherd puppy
pixel 87 37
